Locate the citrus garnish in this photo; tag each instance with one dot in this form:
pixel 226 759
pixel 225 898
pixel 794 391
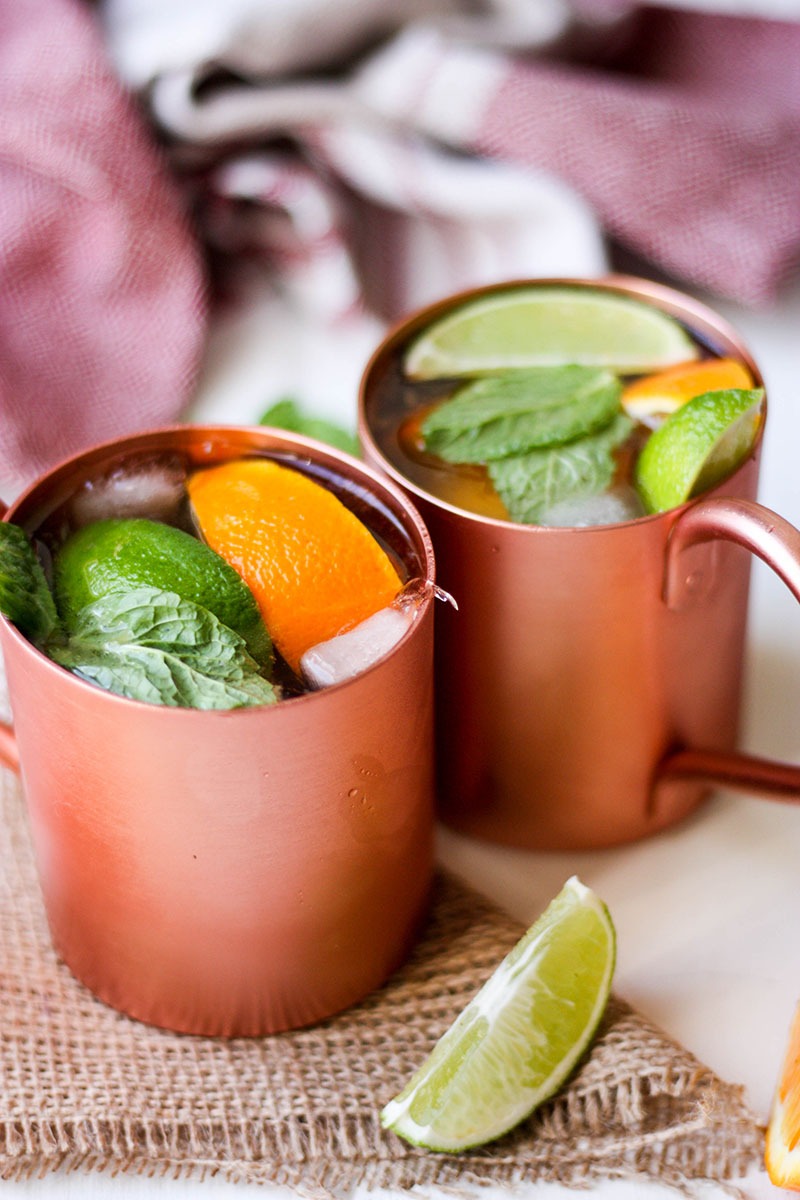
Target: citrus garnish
pixel 783 1132
pixel 123 554
pixel 696 447
pixel 548 326
pixel 312 565
pixel 659 395
pixel 515 1044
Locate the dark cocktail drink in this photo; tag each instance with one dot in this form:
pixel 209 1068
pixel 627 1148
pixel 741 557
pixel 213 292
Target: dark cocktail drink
pixel 536 405
pixel 583 453
pixel 227 583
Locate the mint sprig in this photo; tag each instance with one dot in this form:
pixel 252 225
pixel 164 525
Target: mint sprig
pixel 151 645
pixel 521 410
pixel 529 484
pixel 544 434
pixel 287 414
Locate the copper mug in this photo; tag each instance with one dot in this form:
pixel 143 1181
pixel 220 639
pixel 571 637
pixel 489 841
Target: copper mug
pixel 243 872
pixel 588 687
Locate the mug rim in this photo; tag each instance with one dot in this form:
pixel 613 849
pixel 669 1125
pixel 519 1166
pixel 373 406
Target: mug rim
pixel 167 437
pixel 668 299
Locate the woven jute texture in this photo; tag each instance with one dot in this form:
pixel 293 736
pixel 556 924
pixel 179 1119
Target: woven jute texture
pixel 84 1086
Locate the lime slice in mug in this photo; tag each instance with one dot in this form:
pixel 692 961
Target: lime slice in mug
pixel 701 443
pixel 120 554
pixel 548 326
pixel 515 1044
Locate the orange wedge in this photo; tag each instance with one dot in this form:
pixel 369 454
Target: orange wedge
pixel 313 567
pixel 659 395
pixel 783 1133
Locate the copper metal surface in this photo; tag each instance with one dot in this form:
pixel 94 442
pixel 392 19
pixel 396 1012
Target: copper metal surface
pixel 231 872
pixel 575 707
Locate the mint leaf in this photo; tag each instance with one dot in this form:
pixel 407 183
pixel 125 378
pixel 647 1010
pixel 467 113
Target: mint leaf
pixel 521 410
pixel 25 597
pixel 151 645
pixel 144 673
pixel 529 484
pixel 287 414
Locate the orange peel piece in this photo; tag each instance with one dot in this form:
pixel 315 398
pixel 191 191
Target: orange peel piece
pixel 662 393
pixel 782 1155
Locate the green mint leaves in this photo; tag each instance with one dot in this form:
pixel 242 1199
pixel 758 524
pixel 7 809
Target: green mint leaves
pixel 152 645
pixel 544 434
pixel 519 411
pixel 145 644
pixel 529 484
pixel 287 414
pixel 25 597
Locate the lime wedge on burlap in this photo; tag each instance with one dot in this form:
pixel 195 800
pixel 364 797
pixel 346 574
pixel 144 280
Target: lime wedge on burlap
pixel 518 1040
pixel 701 443
pixel 548 326
pixel 122 554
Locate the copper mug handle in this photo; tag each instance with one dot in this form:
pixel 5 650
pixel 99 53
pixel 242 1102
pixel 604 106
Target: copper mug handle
pixel 9 755
pixel 777 543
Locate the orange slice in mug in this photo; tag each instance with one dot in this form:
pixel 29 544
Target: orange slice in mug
pixel 659 395
pixel 312 565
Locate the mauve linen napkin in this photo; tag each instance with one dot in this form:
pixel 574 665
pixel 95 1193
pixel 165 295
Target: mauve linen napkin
pixel 344 163
pixel 101 309
pixel 350 162
pixel 681 129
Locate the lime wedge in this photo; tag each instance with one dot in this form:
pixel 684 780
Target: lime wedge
pixel 548 326
pixel 698 445
pixel 521 1036
pixel 121 554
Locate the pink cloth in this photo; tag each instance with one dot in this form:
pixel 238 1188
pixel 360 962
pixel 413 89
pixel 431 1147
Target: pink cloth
pixel 688 149
pixel 679 130
pixel 101 308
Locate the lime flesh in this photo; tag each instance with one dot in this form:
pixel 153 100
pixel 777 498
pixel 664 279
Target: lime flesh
pixel 548 326
pixel 515 1044
pixel 121 554
pixel 701 443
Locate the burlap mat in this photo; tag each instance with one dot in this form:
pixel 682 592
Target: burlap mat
pixel 83 1086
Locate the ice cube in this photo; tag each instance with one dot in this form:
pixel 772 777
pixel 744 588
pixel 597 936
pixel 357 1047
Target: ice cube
pixel 349 653
pixel 609 508
pixel 154 489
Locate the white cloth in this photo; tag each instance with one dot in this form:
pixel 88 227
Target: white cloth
pixel 369 212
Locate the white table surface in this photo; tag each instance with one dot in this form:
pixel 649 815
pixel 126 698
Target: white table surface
pixel 708 914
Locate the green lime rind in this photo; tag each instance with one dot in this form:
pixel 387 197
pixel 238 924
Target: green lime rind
pixel 521 1036
pixel 122 554
pixel 700 444
pixel 548 326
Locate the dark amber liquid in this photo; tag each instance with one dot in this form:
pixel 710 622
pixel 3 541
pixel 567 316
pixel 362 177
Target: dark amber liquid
pixel 396 407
